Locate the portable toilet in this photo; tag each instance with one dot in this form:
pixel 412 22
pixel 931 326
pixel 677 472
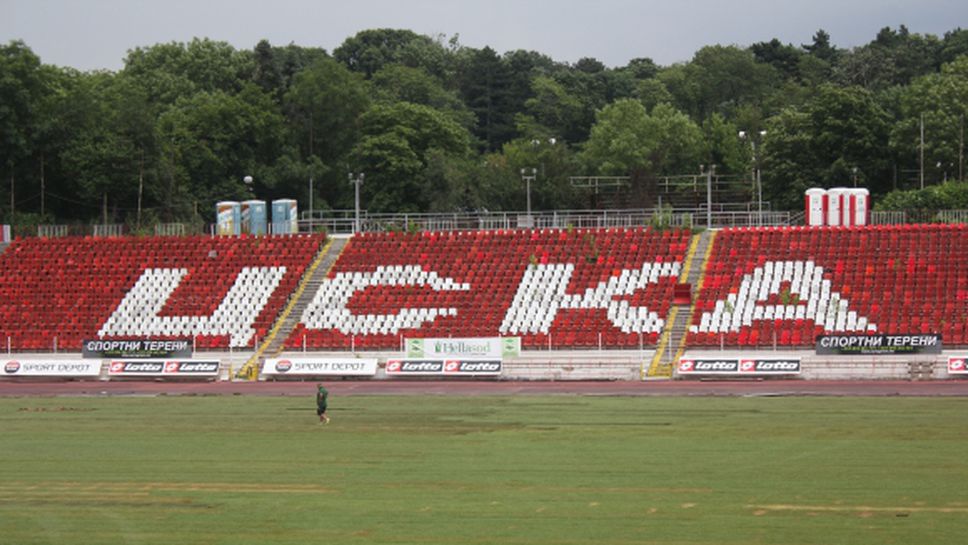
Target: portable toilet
pixel 816 207
pixel 254 217
pixel 284 218
pixel 836 207
pixel 228 216
pixel 860 206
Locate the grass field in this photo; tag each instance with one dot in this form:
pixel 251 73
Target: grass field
pixel 522 470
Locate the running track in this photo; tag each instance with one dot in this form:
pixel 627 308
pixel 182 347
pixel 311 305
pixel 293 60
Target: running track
pixel 478 388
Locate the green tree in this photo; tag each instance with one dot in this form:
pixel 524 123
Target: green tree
pixel 109 154
pixel 552 112
pixel 723 148
pixel 553 162
pixel 838 130
pixel 21 88
pixel 626 140
pixel 323 106
pixel 942 99
pixel 212 141
pixel 275 67
pixel 485 82
pixel 175 70
pixel 720 79
pixel 371 50
pixel 783 57
pixel 396 143
pixel 398 83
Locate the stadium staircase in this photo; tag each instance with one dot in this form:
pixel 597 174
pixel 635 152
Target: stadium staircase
pixel 289 317
pixel 673 339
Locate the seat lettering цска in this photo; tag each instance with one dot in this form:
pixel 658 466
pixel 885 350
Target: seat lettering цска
pixel 139 314
pixel 807 285
pixel 329 308
pixel 542 293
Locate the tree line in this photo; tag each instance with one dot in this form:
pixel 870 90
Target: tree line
pixel 438 127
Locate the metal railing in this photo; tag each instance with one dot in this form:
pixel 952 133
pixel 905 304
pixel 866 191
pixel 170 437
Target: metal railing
pixel 905 217
pixel 341 222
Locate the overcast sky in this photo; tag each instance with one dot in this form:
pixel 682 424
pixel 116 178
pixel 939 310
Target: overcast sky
pixel 96 34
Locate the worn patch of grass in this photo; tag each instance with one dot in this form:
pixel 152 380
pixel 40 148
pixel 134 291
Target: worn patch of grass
pixel 529 470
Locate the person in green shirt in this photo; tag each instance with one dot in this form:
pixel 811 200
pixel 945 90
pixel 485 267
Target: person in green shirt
pixel 322 396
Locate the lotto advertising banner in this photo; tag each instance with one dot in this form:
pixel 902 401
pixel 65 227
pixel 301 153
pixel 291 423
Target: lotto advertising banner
pixel 739 366
pixel 453 368
pixel 137 348
pixel 484 347
pixel 854 345
pixel 164 368
pixel 51 368
pixel 958 365
pixel 311 367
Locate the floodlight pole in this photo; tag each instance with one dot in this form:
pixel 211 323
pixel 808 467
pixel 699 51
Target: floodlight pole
pixel 528 175
pixel 356 181
pixel 709 193
pixel 743 135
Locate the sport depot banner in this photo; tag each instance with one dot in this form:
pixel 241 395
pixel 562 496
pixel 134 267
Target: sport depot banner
pixel 164 368
pixel 958 365
pixel 51 368
pixel 739 366
pixel 481 347
pixel 309 367
pixel 416 367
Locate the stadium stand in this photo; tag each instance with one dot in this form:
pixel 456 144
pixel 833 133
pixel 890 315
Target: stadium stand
pixel 225 292
pixel 788 285
pixel 562 288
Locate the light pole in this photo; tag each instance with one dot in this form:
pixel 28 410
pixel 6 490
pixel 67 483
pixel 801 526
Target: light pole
pixel 853 172
pixel 528 175
pixel 709 193
pixel 310 198
pixel 356 181
pixel 743 135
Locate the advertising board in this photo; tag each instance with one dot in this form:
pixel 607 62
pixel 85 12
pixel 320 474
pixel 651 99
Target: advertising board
pixel 451 367
pixel 136 348
pixel 311 367
pixel 886 344
pixel 739 366
pixel 51 368
pixel 462 348
pixel 163 368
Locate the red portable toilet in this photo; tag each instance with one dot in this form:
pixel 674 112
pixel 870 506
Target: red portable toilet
pixel 860 206
pixel 836 206
pixel 816 207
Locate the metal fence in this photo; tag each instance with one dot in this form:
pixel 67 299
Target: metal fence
pixel 343 221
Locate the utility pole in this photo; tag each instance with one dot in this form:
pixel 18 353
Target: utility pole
pixel 141 183
pixel 921 160
pixel 709 193
pixel 527 176
pixel 356 181
pixel 961 150
pixel 43 183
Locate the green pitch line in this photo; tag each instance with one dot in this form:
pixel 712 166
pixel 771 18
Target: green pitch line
pixel 519 470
